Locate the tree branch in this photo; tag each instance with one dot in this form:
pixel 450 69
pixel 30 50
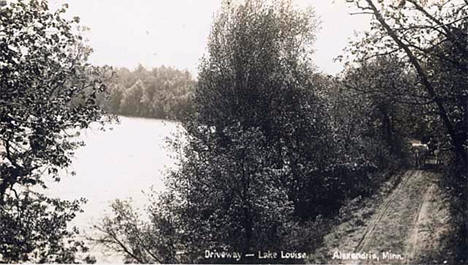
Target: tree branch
pixel 422 75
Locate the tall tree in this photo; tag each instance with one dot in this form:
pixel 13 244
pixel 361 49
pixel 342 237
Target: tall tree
pixel 258 74
pixel 251 87
pixel 47 92
pixel 431 37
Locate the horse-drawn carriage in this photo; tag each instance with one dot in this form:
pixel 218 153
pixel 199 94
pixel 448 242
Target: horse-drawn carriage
pixel 424 154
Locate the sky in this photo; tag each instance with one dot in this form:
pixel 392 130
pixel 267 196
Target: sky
pixel 125 33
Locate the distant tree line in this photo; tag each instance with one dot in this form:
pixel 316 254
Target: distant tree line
pixel 162 93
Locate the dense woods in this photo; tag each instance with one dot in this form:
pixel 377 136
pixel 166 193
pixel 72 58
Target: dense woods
pixel 271 151
pixel 162 93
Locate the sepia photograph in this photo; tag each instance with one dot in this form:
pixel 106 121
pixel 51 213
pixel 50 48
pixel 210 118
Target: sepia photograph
pixel 234 131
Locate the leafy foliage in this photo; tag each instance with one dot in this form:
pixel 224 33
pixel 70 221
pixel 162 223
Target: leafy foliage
pixel 34 229
pixel 47 92
pixel 383 93
pixel 431 45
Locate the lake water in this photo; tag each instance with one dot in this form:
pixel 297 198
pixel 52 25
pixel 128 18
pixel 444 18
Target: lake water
pixel 117 164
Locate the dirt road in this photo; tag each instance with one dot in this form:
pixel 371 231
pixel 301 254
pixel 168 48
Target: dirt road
pixel 404 227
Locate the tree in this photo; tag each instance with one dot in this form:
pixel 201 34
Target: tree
pixel 34 229
pixel 115 98
pixel 386 94
pixel 140 241
pixel 438 37
pixel 233 199
pixel 260 151
pixel 131 102
pixel 47 93
pixel 259 75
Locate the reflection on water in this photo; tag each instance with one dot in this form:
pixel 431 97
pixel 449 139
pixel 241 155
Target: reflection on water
pixel 117 164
